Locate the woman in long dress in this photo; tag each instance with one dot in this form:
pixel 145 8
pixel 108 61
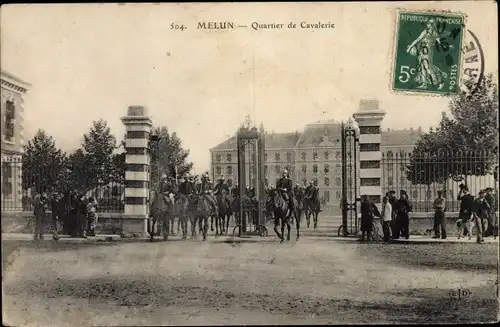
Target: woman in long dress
pixel 423 47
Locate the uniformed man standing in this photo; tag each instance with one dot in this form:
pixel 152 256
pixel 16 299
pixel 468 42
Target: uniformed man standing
pixel 286 187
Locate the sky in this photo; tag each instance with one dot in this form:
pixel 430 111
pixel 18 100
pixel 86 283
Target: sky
pixel 92 61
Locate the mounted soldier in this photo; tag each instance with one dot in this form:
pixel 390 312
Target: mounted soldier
pixel 221 186
pixel 235 191
pixel 286 187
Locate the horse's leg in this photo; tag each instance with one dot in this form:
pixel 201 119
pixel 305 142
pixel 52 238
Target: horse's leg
pixel 166 226
pixel 152 233
pixel 297 224
pixel 283 220
pixel 212 223
pixel 216 217
pixel 288 227
pixel 315 219
pixel 228 217
pixel 205 227
pixel 193 226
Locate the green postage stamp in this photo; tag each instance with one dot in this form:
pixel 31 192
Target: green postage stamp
pixel 428 52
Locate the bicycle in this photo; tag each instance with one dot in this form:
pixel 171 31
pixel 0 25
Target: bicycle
pixel 261 228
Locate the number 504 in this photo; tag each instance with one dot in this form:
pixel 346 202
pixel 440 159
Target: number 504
pixel 405 72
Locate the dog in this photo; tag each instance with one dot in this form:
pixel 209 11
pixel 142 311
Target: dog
pixel 470 224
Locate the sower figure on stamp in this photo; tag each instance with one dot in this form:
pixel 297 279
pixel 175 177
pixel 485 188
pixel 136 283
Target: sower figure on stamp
pixel 286 187
pixel 439 216
pixel 423 47
pixel 39 211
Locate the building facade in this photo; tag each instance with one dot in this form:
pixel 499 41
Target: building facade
pixel 311 155
pixel 13 90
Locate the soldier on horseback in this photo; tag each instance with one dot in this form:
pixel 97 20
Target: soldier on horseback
pixel 221 186
pixel 235 191
pixel 312 193
pixel 286 187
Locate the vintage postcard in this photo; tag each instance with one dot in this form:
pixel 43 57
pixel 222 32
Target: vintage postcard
pixel 249 163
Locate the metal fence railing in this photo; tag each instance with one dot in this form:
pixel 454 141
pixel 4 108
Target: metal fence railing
pixel 20 184
pixel 421 175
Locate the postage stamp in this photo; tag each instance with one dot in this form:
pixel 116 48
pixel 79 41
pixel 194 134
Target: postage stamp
pixel 428 56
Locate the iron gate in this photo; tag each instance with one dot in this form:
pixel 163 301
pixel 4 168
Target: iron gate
pixel 251 149
pixel 350 189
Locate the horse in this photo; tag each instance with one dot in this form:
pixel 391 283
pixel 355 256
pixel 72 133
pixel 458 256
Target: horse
pixel 311 206
pixel 182 206
pixel 223 213
pixel 280 210
pixel 298 210
pixel 161 208
pixel 203 209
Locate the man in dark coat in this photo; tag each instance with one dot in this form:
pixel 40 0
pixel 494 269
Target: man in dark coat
pixel 492 214
pixel 480 211
pixel 403 208
pixel 285 185
pixel 368 210
pixel 466 205
pixel 39 211
pixel 220 187
pixel 439 216
pixel 235 191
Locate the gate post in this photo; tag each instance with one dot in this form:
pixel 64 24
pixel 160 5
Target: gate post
pixel 137 160
pixel 369 118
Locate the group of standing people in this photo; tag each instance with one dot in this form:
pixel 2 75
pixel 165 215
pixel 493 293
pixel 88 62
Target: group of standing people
pixel 395 216
pixel 72 213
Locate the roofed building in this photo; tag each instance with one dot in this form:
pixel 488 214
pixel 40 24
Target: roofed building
pixel 311 155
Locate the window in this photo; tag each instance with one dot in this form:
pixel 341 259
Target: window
pixel 315 182
pixel 338 154
pixel 338 168
pixel 277 156
pixel 338 181
pixel 218 170
pixel 315 168
pixel 10 116
pixel 389 154
pixel 326 155
pixel 415 194
pixel 6 180
pixel 217 157
pixel 289 157
pixel 304 169
pixel 390 181
pixel 338 195
pixel 327 182
pixel 229 170
pixel 315 155
pixel 327 168
pixel 266 170
pixel 265 156
pixel 277 169
pixel 303 155
pixel 229 157
pixel 326 196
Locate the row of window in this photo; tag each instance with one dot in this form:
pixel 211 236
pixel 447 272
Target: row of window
pixel 278 169
pixel 10 116
pixel 277 156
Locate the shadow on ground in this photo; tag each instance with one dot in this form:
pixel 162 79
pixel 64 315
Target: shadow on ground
pixel 421 305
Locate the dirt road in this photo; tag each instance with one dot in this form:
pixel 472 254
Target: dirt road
pixel 194 283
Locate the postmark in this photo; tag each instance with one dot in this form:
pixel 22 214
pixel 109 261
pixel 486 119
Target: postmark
pixel 428 52
pixel 473 63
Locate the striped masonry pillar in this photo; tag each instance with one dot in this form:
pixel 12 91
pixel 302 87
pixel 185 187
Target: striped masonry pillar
pixel 137 160
pixel 369 118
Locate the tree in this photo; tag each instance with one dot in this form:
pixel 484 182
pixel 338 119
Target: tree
pixel 168 157
pixel 464 144
pixel 98 147
pixel 43 163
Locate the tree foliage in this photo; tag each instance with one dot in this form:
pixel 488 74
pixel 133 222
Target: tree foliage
pixel 167 156
pixel 464 143
pixel 43 164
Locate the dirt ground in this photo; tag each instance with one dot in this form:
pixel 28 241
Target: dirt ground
pixel 193 283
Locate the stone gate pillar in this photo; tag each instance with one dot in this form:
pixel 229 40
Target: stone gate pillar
pixel 137 160
pixel 369 118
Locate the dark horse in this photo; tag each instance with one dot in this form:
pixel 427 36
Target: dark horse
pixel 162 208
pixel 183 212
pixel 280 210
pixel 311 206
pixel 203 210
pixel 223 213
